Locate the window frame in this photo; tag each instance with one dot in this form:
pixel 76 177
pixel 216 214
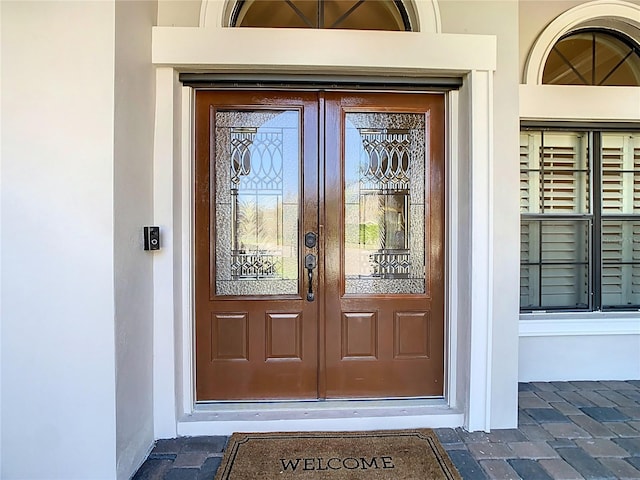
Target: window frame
pixel 595 215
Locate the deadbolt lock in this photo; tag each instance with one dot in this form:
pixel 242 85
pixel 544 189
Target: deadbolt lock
pixel 310 239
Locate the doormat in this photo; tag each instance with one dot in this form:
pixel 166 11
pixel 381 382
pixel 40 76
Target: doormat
pixel 388 455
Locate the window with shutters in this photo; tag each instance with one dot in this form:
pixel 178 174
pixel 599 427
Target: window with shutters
pixel 580 220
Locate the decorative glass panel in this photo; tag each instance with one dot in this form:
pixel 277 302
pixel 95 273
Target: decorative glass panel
pixel 256 198
pixel 384 203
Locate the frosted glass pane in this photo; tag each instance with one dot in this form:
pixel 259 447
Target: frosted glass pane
pixel 384 181
pixel 256 197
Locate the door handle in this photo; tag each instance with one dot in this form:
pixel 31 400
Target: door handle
pixel 310 264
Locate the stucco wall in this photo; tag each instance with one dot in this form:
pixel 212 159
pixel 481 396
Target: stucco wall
pixel 58 372
pixel 580 357
pixel 77 135
pixel 179 13
pixel 133 197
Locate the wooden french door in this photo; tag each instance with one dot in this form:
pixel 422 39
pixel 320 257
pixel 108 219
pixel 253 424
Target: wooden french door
pixel 319 245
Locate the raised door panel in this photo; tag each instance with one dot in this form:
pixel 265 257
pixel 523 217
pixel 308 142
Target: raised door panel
pixel 359 335
pixel 411 336
pixel 284 336
pixel 229 336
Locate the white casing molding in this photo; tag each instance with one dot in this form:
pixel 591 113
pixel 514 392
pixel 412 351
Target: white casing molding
pixel 186 324
pixel 481 131
pixel 311 51
pixel 166 278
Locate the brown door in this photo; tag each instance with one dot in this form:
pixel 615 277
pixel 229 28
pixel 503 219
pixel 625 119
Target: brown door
pixel 319 264
pixel 384 276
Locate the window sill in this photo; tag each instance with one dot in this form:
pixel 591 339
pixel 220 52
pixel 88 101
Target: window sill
pixel 552 324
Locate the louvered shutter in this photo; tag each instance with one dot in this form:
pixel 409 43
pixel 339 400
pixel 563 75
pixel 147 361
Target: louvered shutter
pixel 529 203
pixel 635 280
pixel 620 220
pixel 554 233
pixel 565 173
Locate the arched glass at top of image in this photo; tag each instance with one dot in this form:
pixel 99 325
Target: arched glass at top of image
pixel 595 57
pixel 344 14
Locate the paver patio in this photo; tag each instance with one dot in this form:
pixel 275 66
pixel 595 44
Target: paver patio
pixel 567 430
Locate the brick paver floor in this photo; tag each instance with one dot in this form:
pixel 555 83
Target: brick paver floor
pixel 566 430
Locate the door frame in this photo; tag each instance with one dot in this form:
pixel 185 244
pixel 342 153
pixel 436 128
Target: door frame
pixel 428 373
pixel 469 263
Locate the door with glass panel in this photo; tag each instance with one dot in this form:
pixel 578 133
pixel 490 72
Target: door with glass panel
pixel 318 245
pixel 384 237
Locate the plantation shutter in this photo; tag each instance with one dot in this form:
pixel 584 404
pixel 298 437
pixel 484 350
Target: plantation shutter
pixel 620 220
pixel 556 223
pixel 529 203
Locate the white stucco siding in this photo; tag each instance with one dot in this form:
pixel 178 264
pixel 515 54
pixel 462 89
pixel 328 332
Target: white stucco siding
pixel 179 13
pixel 579 357
pixel 58 372
pixel 133 195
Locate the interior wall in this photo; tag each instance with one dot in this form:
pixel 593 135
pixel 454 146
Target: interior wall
pixel 58 369
pixel 133 207
pixel 500 18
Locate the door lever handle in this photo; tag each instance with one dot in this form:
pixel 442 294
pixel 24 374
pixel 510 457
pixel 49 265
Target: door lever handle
pixel 310 264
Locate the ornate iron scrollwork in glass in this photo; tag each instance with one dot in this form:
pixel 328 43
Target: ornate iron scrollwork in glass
pixel 256 200
pixel 384 203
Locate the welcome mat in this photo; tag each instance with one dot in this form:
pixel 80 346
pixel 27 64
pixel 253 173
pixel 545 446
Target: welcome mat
pixel 389 454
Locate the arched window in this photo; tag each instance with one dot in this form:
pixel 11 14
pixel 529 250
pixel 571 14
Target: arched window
pixel 343 14
pixel 593 57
